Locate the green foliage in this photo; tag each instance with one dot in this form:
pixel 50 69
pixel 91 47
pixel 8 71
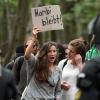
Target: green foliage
pixel 51 2
pixel 12 6
pixel 76 16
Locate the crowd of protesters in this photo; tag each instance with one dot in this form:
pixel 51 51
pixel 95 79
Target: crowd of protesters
pixel 54 71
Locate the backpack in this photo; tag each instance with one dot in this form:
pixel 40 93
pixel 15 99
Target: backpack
pixel 17 69
pixel 20 62
pixel 10 65
pixel 65 62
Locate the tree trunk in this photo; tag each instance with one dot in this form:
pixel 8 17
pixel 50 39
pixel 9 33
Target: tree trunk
pixel 19 28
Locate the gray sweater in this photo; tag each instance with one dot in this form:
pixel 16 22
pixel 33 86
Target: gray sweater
pixel 42 91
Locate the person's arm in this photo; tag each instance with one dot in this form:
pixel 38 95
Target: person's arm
pixel 58 88
pixel 28 51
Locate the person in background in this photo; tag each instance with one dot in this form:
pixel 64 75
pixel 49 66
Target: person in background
pixel 88 80
pixel 65 47
pixel 94 38
pixel 61 51
pixel 8 89
pixel 19 52
pixel 35 48
pixel 20 67
pixel 45 80
pixel 70 71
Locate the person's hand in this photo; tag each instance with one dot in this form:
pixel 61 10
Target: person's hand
pixel 78 60
pixel 57 99
pixel 35 31
pixel 65 85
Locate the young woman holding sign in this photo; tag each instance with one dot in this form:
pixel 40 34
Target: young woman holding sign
pixel 45 75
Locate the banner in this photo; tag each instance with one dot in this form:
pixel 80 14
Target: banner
pixel 47 17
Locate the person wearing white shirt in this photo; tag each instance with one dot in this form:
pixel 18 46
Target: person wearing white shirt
pixel 76 50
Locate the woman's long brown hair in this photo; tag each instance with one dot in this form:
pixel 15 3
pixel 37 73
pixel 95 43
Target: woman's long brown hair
pixel 42 69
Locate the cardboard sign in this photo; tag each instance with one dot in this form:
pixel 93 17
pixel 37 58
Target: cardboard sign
pixel 47 17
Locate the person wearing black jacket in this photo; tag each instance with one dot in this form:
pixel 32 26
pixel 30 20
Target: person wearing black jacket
pixel 89 80
pixel 8 89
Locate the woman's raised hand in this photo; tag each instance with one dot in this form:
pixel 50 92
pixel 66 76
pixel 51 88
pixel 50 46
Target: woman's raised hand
pixel 35 31
pixel 78 60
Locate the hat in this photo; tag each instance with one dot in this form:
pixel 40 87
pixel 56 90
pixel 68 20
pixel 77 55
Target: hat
pixel 19 50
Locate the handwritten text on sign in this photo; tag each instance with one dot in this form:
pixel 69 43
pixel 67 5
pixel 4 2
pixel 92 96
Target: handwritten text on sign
pixel 47 17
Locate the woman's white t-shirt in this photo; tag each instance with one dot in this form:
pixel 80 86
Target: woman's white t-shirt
pixel 69 74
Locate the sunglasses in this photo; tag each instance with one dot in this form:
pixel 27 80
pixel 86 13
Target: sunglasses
pixel 33 46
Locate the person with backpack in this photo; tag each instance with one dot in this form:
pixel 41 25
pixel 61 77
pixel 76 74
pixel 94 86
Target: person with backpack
pixel 76 49
pixel 20 67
